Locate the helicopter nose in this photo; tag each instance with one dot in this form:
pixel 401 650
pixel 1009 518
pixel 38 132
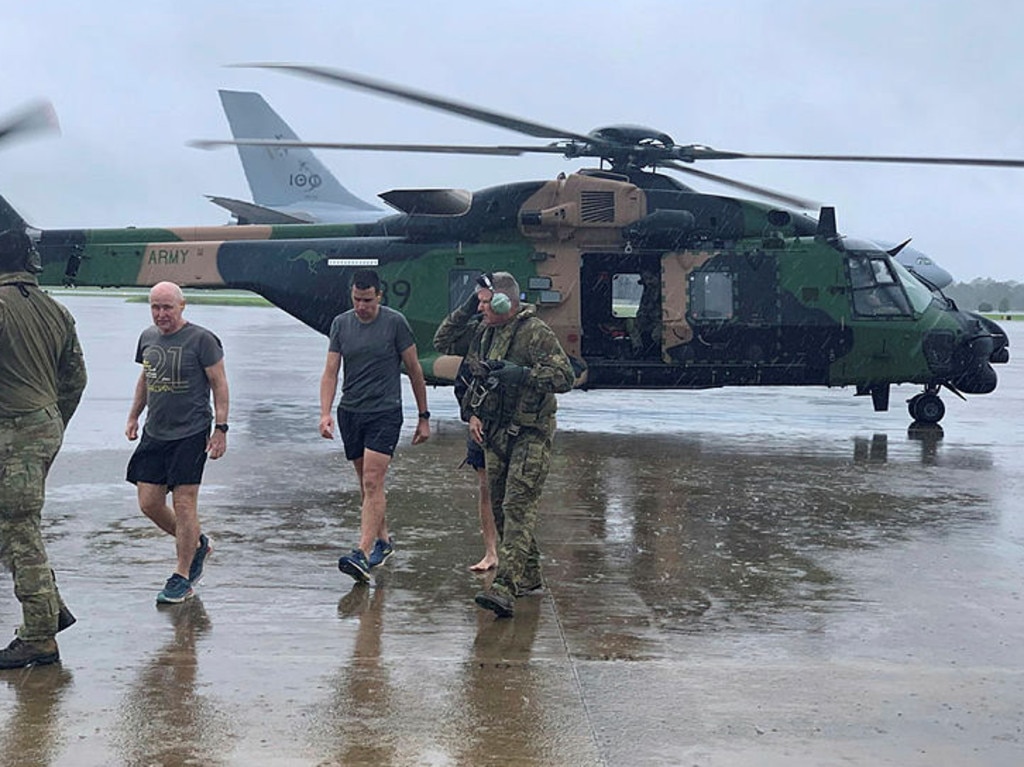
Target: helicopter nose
pixel 978 377
pixel 1000 343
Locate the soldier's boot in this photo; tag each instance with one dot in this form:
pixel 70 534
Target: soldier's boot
pixel 20 654
pixel 530 583
pixel 531 580
pixel 499 600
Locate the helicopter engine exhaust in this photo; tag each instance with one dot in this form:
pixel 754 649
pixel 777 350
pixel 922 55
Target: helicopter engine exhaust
pixel 661 229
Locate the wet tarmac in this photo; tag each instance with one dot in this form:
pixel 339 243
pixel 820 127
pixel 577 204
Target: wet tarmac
pixel 734 577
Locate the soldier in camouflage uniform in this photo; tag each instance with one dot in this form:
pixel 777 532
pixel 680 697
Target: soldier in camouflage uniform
pixel 518 367
pixel 647 336
pixel 43 375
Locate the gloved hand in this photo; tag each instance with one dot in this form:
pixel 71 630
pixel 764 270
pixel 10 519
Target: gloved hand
pixel 470 306
pixel 479 368
pixel 508 373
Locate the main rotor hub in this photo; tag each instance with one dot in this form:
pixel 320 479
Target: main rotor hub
pixel 631 146
pixel 632 134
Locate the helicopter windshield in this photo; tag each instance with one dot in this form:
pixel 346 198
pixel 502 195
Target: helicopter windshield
pixel 881 288
pixel 920 296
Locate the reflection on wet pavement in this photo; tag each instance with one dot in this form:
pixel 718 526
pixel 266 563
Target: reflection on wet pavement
pixel 732 577
pixel 353 724
pixel 166 717
pixel 31 731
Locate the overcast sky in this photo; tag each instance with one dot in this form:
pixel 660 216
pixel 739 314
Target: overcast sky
pixel 132 82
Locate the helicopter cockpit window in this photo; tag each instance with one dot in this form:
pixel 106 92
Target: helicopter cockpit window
pixel 920 296
pixel 877 291
pixel 711 296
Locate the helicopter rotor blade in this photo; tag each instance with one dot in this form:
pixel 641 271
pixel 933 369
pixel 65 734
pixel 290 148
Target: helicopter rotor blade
pixel 771 194
pixel 706 153
pixel 39 116
pixel 517 124
pixel 624 147
pixel 507 151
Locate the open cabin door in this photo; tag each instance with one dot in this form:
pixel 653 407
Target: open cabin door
pixel 621 306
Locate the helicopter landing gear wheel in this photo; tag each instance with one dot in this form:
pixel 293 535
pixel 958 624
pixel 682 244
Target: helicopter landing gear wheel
pixel 926 407
pixel 912 405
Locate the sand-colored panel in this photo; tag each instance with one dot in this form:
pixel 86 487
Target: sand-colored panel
pixel 675 272
pixel 566 217
pixel 562 267
pixel 583 208
pixel 185 263
pixel 222 233
pixel 446 366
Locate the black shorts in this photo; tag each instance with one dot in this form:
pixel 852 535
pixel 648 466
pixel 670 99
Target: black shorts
pixel 474 454
pixel 169 462
pixel 378 431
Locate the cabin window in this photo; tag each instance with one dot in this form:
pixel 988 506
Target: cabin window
pixel 461 282
pixel 711 296
pixel 626 292
pixel 876 289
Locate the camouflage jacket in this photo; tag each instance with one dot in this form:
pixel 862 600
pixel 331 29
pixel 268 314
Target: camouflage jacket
pixel 526 340
pixel 453 336
pixel 41 361
pixel 455 332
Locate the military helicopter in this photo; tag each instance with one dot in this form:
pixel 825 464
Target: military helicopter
pixel 647 282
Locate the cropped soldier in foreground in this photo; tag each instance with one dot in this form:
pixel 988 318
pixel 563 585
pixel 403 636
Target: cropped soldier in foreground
pixel 42 372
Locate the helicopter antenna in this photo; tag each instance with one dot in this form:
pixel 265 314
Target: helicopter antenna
pixel 895 251
pixel 827 229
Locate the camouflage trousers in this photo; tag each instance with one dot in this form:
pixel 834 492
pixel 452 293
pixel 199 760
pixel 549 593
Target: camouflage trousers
pixel 516 470
pixel 28 445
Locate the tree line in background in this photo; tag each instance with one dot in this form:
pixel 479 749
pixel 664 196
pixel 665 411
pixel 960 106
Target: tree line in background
pixel 986 295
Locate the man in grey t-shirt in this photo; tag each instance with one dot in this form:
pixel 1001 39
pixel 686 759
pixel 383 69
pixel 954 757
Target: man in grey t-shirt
pixel 182 364
pixel 373 342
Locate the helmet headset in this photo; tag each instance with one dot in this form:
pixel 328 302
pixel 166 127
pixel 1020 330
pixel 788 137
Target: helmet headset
pixel 500 302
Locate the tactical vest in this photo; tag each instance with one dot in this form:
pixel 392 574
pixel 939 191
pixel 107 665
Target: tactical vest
pixel 511 404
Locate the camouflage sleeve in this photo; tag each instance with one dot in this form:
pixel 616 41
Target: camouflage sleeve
pixel 71 376
pixel 454 333
pixel 550 369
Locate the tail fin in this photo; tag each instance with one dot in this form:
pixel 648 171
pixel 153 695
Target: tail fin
pixel 10 218
pixel 281 177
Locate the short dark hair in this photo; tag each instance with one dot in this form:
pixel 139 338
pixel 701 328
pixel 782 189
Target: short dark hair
pixel 366 278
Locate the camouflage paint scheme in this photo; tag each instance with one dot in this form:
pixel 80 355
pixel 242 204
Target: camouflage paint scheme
pixel 790 316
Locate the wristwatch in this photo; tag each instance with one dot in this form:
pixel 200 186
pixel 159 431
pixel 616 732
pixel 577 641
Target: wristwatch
pixel 425 415
pixel 221 427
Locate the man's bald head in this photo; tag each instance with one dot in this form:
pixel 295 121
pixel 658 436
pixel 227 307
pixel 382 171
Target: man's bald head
pixel 167 304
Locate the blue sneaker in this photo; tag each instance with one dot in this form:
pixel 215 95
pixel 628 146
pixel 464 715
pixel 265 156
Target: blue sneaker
pixel 175 591
pixel 195 570
pixel 355 564
pixel 381 551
